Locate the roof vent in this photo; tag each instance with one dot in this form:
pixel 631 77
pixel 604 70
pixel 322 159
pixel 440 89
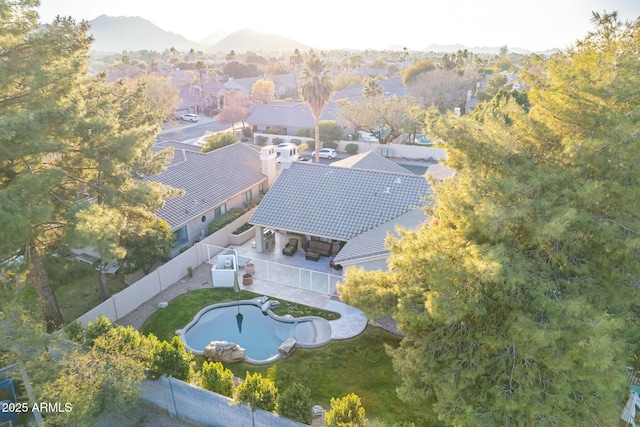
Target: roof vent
pixel 398 180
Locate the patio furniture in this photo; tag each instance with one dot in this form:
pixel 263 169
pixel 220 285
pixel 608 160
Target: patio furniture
pixel 290 247
pixel 322 248
pixel 312 256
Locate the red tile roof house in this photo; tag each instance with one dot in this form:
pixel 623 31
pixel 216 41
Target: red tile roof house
pixel 213 183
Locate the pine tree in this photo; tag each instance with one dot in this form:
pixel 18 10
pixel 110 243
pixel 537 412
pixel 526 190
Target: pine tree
pixel 517 295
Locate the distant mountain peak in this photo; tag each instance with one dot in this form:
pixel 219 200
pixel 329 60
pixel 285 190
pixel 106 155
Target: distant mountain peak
pixel 118 33
pixel 249 39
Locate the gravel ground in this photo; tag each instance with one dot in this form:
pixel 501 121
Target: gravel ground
pixel 137 317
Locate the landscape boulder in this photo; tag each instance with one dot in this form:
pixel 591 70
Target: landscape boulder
pixel 224 351
pixel 287 347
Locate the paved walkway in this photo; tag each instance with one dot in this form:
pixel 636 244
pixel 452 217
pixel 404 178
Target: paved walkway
pixel 351 322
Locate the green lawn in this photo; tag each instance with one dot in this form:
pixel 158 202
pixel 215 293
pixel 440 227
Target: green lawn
pixel 76 286
pixel 359 365
pixel 163 323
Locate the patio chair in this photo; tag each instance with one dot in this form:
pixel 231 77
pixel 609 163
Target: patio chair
pixel 291 247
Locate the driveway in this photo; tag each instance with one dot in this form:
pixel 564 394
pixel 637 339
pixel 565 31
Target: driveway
pixel 188 132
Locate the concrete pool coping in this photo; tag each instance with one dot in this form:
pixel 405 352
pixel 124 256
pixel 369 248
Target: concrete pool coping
pixel 323 328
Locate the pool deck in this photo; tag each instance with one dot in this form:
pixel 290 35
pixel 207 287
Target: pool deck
pixel 350 324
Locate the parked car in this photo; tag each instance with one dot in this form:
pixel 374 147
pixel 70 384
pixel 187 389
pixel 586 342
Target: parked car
pixel 367 137
pixel 190 117
pixel 326 153
pixel 284 146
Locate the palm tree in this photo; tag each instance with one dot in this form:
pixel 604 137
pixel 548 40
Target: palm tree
pixel 371 88
pixel 316 90
pixel 295 60
pixel 202 69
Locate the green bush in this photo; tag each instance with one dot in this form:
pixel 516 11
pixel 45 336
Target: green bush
pixel 259 392
pixel 303 132
pixel 75 332
pixel 101 326
pixel 242 228
pixel 352 148
pixel 246 132
pixel 346 411
pixel 277 141
pixel 261 139
pixel 330 131
pixel 224 219
pixel 296 141
pixel 217 379
pixel 218 140
pixel 276 130
pixel 295 403
pixel 243 139
pixel 333 145
pixel 171 359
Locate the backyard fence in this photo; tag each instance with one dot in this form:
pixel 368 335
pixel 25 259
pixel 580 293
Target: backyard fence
pixel 296 277
pixel 404 151
pixel 132 297
pixel 202 406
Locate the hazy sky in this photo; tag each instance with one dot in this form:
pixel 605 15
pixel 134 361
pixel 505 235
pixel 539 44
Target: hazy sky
pixel 360 24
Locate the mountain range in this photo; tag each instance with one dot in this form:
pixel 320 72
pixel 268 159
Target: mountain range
pixel 131 33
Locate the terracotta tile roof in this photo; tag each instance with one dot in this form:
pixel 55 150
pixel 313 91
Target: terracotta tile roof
pixel 336 202
pixel 209 179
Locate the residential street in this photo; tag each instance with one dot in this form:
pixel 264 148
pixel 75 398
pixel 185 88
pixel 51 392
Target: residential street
pixel 188 132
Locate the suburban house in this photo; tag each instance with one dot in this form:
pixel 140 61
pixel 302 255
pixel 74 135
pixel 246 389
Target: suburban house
pixel 390 87
pixel 292 116
pixel 283 83
pixel 345 209
pixel 213 183
pixel 289 116
pixel 190 96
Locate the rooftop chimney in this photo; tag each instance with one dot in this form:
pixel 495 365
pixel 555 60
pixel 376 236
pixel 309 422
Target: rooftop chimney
pixel 268 161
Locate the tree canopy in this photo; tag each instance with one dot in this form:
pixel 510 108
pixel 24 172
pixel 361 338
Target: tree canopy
pixel 68 141
pixel 384 118
pixel 263 91
pixel 316 90
pixel 519 295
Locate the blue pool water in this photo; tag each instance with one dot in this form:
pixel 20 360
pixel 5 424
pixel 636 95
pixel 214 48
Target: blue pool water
pixel 261 334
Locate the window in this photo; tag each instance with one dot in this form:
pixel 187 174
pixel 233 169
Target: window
pixel 181 236
pixel 203 219
pixel 220 210
pixel 261 188
pixel 248 196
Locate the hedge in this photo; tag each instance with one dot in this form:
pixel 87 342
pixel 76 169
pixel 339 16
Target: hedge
pixel 333 145
pixel 351 148
pixel 218 140
pixel 224 219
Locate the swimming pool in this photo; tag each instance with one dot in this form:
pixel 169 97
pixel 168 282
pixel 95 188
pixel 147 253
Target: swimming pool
pixel 261 331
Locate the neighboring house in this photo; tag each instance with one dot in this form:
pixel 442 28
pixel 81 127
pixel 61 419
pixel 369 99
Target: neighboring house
pixel 283 83
pixel 292 116
pixel 440 172
pixel 289 116
pixel 190 100
pixel 213 183
pixel 390 87
pixel 372 161
pixel 352 206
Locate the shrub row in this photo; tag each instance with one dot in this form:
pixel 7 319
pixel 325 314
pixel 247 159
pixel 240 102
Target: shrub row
pixel 224 219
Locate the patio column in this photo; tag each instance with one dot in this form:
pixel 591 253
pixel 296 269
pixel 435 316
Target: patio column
pixel 259 239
